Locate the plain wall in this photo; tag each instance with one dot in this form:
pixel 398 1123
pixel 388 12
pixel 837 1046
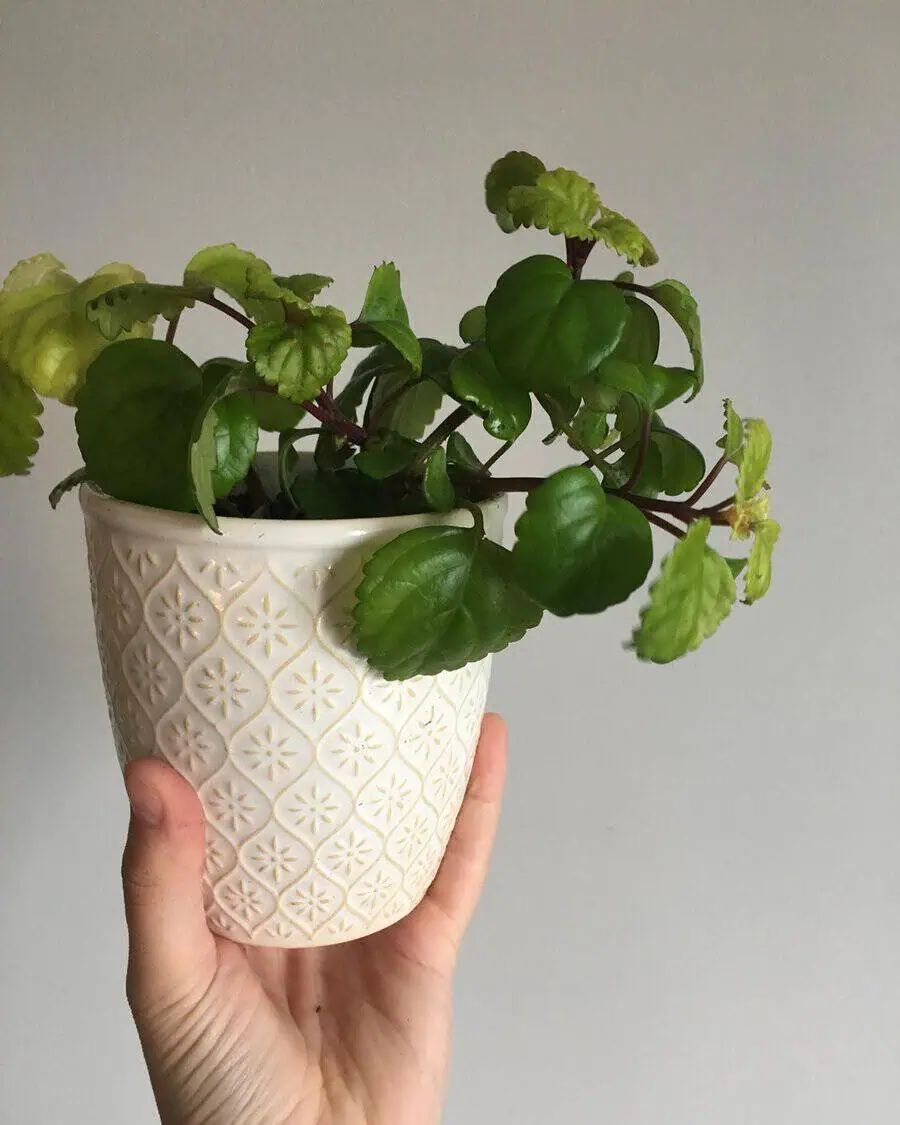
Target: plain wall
pixel 694 911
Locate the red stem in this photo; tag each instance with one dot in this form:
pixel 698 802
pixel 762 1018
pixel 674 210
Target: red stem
pixel 665 525
pixel 708 482
pixel 641 458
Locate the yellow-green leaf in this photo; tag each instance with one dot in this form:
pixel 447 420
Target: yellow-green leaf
pixel 20 429
pixel 45 335
pixel 625 238
pixel 759 566
pixel 755 459
pixel 691 597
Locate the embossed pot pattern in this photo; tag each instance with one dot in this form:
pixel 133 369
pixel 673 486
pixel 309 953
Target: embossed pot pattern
pixel 330 793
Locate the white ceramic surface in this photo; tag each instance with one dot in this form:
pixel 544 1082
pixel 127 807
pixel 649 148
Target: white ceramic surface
pixel 329 792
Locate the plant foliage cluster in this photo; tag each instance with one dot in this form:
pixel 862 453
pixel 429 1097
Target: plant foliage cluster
pixel 156 428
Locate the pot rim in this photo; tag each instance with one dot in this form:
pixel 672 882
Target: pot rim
pixel 189 528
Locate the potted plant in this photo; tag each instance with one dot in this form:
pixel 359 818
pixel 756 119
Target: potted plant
pixel 306 634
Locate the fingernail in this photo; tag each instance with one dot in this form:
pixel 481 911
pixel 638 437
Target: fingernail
pixel 145 803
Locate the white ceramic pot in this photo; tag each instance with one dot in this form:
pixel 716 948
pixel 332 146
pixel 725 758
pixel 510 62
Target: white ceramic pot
pixel 330 793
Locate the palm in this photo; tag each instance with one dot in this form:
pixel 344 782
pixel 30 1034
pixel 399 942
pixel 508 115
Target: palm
pixel 352 1034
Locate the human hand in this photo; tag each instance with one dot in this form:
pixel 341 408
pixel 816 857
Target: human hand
pixel 352 1034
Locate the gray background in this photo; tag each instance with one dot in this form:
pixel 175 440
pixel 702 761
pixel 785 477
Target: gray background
pixel 693 915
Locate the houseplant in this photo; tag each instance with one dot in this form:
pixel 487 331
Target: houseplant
pixel 307 638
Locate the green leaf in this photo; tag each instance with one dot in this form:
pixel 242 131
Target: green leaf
pixel 274 413
pixel 331 450
pixel 590 428
pixel 604 387
pixel 306 286
pixel 504 406
pixel 384 316
pixel 559 201
pixel 214 370
pixel 649 483
pixel 516 169
pixel 384 299
pixel 692 596
pixel 561 406
pixel 202 465
pixel 225 434
pixel 677 300
pixel 629 419
pixel 640 338
pixel 759 568
pixel 732 441
pixel 382 360
pixel 409 413
pixel 386 455
pixel 243 276
pixel 300 357
pixel 754 459
pixel 672 465
pixel 736 566
pixel 345 494
pixel 45 335
pixel 20 430
pixel 401 336
pixel 625 238
pixel 436 598
pixel 437 358
pixel 577 549
pixel 546 330
pixel 439 492
pixel 462 455
pixel 650 386
pixel 471 327
pixel 236 437
pixel 665 384
pixel 41 270
pixel 120 309
pixel 135 417
pixel 682 466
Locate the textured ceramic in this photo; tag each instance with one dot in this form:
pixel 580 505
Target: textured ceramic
pixel 330 793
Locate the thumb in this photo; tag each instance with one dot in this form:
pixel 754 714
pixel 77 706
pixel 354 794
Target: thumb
pixel 171 950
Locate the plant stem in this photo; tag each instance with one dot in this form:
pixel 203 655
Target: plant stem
pixel 577 251
pixel 215 303
pixel 595 459
pixel 715 508
pixel 650 506
pixel 680 509
pixel 497 454
pixel 665 525
pixel 709 480
pixel 633 287
pixel 329 416
pixel 605 452
pixel 676 508
pixel 444 430
pixel 641 457
pixel 172 328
